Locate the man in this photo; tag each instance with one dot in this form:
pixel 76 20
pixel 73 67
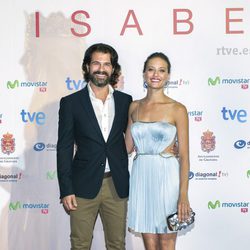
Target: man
pixel 95 179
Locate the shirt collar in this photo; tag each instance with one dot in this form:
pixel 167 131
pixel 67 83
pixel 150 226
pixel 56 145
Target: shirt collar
pixel 92 94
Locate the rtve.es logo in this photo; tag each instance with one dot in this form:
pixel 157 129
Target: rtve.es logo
pixel 38 118
pixel 239 115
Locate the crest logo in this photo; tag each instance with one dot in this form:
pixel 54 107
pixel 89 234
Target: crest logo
pixel 8 144
pixel 208 141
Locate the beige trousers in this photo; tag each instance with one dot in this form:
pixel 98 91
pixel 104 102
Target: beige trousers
pixel 113 212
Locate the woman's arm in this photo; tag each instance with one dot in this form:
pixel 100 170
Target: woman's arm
pixel 181 118
pixel 128 137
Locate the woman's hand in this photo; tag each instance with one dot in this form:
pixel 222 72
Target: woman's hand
pixel 183 208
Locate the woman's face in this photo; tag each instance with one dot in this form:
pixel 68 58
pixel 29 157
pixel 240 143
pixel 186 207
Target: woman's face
pixel 156 73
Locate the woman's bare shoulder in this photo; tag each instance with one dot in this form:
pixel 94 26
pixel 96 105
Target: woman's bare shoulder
pixel 179 108
pixel 134 104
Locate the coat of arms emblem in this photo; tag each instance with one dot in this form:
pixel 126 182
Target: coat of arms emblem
pixel 8 144
pixel 208 141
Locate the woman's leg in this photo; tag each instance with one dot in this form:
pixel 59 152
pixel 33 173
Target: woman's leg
pixel 151 241
pixel 167 241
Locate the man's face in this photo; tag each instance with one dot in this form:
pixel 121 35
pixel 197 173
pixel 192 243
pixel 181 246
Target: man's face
pixel 100 69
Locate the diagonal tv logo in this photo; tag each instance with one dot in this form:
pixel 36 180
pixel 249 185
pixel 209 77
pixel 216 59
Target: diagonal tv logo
pixel 212 205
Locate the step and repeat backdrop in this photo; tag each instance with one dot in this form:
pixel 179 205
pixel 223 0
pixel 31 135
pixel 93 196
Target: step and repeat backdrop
pixel 42 47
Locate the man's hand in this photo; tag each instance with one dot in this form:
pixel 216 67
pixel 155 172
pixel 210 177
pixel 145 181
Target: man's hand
pixel 173 149
pixel 69 203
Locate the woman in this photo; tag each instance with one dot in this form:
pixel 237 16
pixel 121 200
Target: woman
pixel 159 182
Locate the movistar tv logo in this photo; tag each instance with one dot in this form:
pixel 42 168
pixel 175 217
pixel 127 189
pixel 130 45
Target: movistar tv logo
pixel 15 206
pixel 52 175
pixel 15 84
pixel 12 85
pixel 44 207
pixel 244 82
pixel 214 205
pixel 215 81
pixel 217 204
pixel 248 173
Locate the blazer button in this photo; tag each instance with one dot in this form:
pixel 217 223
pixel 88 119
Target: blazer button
pixel 102 164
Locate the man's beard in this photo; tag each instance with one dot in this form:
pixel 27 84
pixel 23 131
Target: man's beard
pixel 99 82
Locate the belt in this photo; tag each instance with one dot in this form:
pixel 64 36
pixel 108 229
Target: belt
pixel 162 154
pixel 107 174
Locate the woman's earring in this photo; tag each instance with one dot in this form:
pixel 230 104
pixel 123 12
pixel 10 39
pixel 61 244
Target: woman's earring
pixel 145 85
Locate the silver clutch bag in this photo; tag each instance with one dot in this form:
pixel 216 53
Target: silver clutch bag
pixel 174 224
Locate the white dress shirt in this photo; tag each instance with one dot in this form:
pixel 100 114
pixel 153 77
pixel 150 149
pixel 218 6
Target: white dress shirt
pixel 104 113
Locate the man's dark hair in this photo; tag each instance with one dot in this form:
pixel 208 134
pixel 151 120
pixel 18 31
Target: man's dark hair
pixel 160 55
pixel 106 49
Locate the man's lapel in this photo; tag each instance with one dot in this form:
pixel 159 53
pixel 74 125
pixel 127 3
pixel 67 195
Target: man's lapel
pixel 117 113
pixel 91 117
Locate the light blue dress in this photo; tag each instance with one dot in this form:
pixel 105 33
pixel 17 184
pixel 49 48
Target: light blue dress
pixel 154 180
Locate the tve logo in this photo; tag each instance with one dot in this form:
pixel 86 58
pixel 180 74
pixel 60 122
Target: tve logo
pixel 74 85
pixel 240 115
pixel 38 118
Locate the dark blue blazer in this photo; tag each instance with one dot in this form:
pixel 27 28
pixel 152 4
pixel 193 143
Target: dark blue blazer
pixel 81 173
